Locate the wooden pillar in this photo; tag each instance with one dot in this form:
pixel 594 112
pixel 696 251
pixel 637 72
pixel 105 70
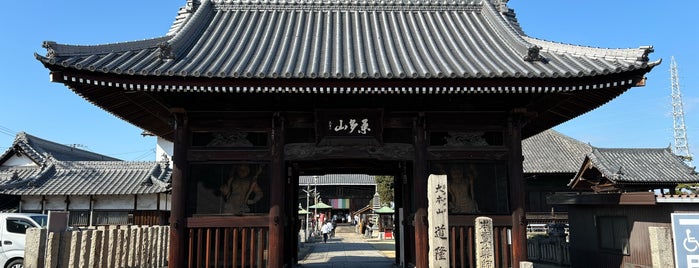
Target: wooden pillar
pixel 277 218
pixel 178 235
pixel 517 189
pixel 420 193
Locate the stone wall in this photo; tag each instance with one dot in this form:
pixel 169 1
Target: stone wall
pixel 112 246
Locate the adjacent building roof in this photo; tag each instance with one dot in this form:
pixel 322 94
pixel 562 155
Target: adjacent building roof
pixel 57 169
pixel 338 179
pixel 38 150
pixel 548 152
pixel 348 39
pixel 616 168
pixel 552 152
pixel 92 178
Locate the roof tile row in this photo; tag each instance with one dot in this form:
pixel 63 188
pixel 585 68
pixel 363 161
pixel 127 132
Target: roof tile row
pixel 347 39
pixel 64 170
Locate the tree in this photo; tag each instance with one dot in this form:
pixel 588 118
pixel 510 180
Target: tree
pixel 384 185
pixel 685 188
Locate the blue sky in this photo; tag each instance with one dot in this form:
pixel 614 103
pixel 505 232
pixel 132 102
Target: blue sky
pixel 640 118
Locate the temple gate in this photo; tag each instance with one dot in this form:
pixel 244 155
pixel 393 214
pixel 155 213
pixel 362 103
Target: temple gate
pixel 254 95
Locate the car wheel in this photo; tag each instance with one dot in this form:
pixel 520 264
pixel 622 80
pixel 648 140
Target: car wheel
pixel 18 263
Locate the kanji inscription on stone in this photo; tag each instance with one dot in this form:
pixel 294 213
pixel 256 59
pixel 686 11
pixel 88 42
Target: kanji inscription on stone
pixel 485 252
pixel 438 219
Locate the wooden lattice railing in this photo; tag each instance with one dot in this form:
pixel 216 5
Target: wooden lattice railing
pixel 228 241
pixel 462 241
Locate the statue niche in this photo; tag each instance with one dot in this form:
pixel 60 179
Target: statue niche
pixel 461 189
pixel 240 190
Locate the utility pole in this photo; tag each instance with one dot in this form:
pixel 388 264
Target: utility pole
pixel 680 130
pixel 315 199
pixel 308 193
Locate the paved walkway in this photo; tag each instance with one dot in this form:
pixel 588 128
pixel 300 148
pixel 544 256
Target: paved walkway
pixel 349 250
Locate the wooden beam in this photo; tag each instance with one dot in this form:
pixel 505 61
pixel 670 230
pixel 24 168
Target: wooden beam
pixel 178 236
pixel 517 189
pixel 420 194
pixel 227 221
pixel 277 215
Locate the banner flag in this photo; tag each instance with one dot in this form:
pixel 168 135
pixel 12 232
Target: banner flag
pixel 340 203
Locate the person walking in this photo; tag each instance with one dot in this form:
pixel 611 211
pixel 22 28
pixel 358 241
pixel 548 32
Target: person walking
pixel 326 229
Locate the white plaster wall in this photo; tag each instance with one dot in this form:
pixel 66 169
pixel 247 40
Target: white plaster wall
pixel 55 202
pixel 107 202
pixel 164 147
pixel 79 202
pixel 147 202
pixel 31 203
pixel 120 202
pixel 18 161
pixel 165 202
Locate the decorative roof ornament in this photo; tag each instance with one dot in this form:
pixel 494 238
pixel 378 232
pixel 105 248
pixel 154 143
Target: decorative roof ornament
pixel 192 5
pixel 533 54
pixel 15 176
pixel 165 49
pixel 50 52
pixel 501 5
pixel 646 50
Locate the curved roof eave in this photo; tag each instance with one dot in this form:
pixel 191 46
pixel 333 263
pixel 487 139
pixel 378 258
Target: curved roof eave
pixel 95 178
pixel 642 166
pixel 465 39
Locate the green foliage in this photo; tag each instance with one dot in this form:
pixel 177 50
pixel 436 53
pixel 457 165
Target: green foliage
pixel 384 185
pixel 684 188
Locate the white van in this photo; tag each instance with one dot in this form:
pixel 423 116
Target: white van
pixel 13 227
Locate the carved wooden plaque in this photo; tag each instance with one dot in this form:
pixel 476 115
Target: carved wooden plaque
pixel 347 127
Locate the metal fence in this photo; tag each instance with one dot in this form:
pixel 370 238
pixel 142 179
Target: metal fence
pixel 547 249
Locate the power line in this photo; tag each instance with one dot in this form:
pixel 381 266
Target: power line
pixel 145 154
pixel 7 131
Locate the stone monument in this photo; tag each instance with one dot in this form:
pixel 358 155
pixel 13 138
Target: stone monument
pixel 485 251
pixel 438 219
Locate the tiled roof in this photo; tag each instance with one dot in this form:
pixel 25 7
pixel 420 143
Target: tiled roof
pixel 552 152
pixel 64 170
pixel 641 166
pixel 348 39
pixel 89 178
pixel 38 150
pixel 338 179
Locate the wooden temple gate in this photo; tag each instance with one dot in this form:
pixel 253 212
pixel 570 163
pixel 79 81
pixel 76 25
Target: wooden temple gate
pixel 255 94
pixel 274 149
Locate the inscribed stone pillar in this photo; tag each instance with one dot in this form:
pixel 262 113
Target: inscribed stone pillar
pixel 53 249
pixel 85 248
pixel 661 247
pixel 438 221
pixel 35 247
pixel 96 249
pixel 485 252
pixel 526 264
pixel 144 257
pixel 112 246
pixel 74 258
